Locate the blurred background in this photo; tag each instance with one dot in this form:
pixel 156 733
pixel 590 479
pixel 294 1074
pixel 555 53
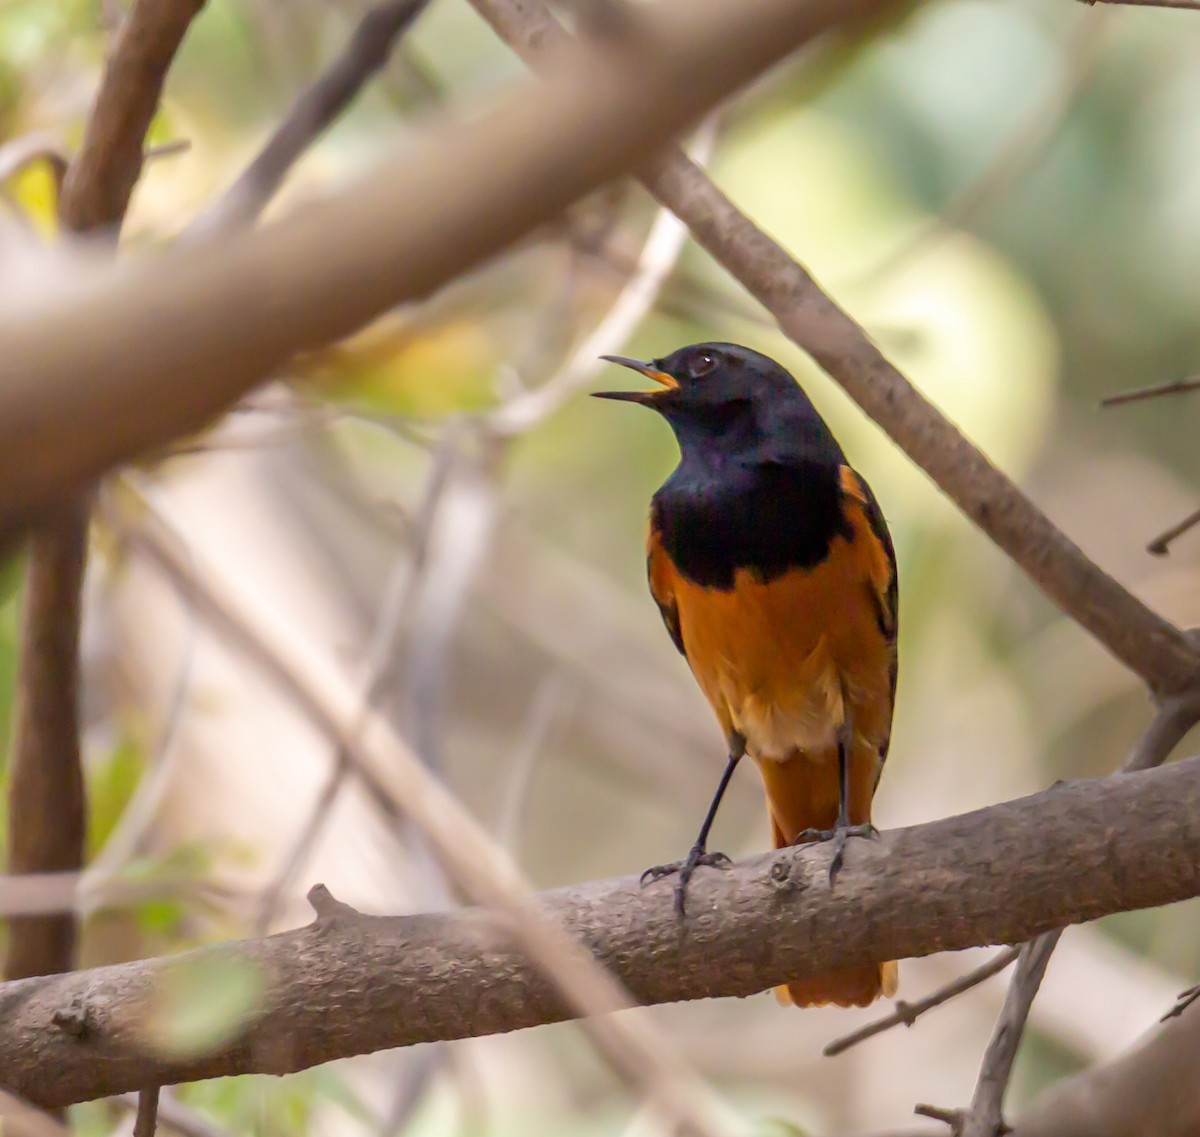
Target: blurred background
pixel 1006 193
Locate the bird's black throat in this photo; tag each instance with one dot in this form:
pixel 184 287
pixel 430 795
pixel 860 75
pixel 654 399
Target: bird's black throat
pixel 768 518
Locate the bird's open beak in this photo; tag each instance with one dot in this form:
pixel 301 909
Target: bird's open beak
pixel 645 397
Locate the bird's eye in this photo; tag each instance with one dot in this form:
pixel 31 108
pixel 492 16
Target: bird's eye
pixel 702 364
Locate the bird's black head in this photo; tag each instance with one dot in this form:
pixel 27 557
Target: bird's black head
pixel 727 402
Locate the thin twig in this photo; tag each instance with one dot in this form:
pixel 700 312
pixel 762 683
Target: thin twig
pixel 1177 387
pixel 1189 5
pixel 318 107
pixel 664 243
pixel 175 1115
pixel 1185 1000
pixel 908 1013
pixel 1160 546
pixel 473 860
pixel 146 1121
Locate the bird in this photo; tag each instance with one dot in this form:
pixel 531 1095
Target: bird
pixel 773 568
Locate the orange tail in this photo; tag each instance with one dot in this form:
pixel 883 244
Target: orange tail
pixel 802 793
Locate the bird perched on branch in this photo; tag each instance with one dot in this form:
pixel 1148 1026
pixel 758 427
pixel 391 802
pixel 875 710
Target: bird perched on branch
pixel 773 569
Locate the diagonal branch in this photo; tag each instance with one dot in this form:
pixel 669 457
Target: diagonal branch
pixel 154 348
pixel 314 112
pixel 348 984
pixel 1137 636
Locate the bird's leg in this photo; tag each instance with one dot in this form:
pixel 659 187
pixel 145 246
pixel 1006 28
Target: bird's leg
pixel 699 854
pixel 842 829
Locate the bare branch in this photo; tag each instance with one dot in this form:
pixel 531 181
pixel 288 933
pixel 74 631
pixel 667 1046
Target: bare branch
pixel 153 348
pixel 102 175
pixel 1161 544
pixel 47 815
pixel 365 53
pixel 908 1013
pixel 348 984
pixel 985 1118
pixel 1140 638
pixel 146 1122
pixel 1190 5
pixel 1178 387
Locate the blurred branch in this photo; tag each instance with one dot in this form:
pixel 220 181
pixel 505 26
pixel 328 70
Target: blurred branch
pixel 23 1120
pixel 908 1013
pixel 471 859
pixel 101 177
pixel 1161 544
pixel 664 243
pixel 1140 638
pixel 47 810
pixel 348 983
pixel 21 153
pixel 1190 5
pixel 177 1116
pixel 1151 1089
pixel 145 1122
pixel 153 349
pixel 1178 387
pixel 364 54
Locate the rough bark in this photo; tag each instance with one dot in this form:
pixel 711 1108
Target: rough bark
pixel 349 984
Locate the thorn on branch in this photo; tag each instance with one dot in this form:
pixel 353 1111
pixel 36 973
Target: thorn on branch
pixel 1185 1000
pixel 952 1117
pixel 329 908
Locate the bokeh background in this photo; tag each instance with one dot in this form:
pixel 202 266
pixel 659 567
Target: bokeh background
pixel 1005 192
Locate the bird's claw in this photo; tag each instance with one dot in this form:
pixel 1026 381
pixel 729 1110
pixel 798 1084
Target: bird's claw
pixel 696 857
pixel 839 836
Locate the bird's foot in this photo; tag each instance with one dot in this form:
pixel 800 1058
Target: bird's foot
pixel 696 857
pixel 839 835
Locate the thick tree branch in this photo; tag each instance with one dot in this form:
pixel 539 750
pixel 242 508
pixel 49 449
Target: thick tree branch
pixel 348 984
pixel 149 350
pixel 47 810
pixel 47 816
pixel 1138 637
pixel 101 177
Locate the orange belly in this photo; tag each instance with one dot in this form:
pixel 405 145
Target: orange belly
pixel 788 662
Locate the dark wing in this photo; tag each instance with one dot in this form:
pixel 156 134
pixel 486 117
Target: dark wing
pixel 662 574
pixel 884 587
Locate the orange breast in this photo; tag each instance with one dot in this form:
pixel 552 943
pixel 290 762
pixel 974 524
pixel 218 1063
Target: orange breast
pixel 785 662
